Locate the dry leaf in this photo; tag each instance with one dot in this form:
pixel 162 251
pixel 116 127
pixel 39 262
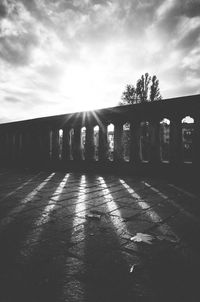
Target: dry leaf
pixel 140 237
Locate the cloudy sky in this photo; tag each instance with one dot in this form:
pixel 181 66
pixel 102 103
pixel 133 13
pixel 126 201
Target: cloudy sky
pixel 59 56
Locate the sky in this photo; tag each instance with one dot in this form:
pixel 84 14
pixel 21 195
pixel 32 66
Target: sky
pixel 60 56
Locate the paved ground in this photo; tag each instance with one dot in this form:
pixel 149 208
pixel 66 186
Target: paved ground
pixel 71 237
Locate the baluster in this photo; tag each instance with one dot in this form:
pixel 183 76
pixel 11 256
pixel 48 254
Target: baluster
pixel 17 147
pixel 55 144
pixel 175 142
pixel 196 143
pixel 2 146
pixel 7 148
pixel 66 144
pixel 103 143
pixel 44 147
pixel 134 143
pixel 118 148
pixel 89 143
pixel 77 143
pixel 154 142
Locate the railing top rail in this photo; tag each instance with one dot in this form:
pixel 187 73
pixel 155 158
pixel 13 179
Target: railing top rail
pixel 169 108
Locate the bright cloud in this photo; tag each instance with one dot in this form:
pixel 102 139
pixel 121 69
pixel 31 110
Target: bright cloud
pixel 59 56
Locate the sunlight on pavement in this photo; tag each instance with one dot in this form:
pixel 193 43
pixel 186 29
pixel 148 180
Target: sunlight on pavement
pixel 155 190
pixel 51 206
pixel 175 204
pixel 80 204
pixel 71 286
pixel 44 218
pixel 20 187
pixel 12 214
pixel 129 189
pixel 118 223
pixel 144 205
pixel 164 228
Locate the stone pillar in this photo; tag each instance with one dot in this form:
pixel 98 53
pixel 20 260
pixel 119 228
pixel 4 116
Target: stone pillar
pixel 103 143
pixel 155 142
pixel 134 142
pixel 89 143
pixel 55 144
pixel 23 148
pixel 175 142
pixel 13 146
pixel 20 146
pixel 34 146
pixel 7 148
pixel 2 147
pixel 17 156
pixel 77 143
pixel 66 144
pixel 118 148
pixel 196 143
pixel 44 146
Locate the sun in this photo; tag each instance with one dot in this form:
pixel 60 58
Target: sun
pixel 82 85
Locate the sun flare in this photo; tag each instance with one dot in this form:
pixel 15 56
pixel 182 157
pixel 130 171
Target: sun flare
pixel 83 85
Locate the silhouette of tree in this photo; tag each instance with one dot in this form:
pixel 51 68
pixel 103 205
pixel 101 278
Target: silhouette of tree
pixel 146 90
pixel 155 90
pixel 129 96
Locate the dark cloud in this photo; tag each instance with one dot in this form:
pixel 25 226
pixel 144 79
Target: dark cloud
pixel 37 11
pixel 12 99
pixel 191 8
pixel 190 40
pixel 179 9
pixel 3 9
pixel 16 50
pixel 17 34
pixel 142 12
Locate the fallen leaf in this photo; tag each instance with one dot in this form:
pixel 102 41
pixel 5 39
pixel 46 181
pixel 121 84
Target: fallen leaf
pixel 140 237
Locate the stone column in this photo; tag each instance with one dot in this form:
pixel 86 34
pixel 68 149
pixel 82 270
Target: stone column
pixel 66 144
pixel 196 143
pixel 118 148
pixel 77 143
pixel 89 143
pixel 155 142
pixel 44 144
pixel 103 143
pixel 33 146
pixel 176 154
pixel 55 144
pixel 2 147
pixel 134 142
pixel 7 148
pixel 13 146
pixel 17 148
pixel 27 147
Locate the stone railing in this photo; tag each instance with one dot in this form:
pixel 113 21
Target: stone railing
pixel 143 136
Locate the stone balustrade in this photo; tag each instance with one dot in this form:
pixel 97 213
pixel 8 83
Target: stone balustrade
pixel 153 135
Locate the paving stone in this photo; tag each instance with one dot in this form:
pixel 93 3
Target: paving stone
pixel 69 257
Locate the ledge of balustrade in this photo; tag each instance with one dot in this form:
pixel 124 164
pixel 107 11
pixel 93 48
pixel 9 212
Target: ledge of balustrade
pixel 160 136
